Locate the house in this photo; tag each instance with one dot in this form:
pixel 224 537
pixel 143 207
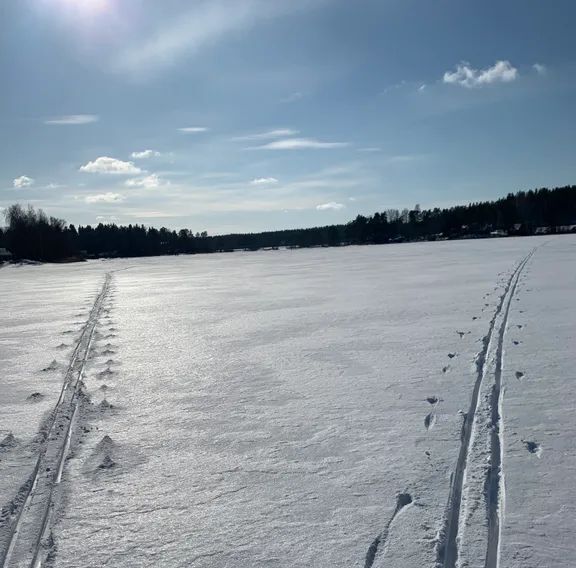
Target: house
pixel 566 229
pixel 5 255
pixel 542 231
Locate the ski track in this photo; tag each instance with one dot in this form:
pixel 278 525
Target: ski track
pixel 28 528
pixel 489 365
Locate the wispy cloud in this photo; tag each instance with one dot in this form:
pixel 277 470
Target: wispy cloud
pixel 22 182
pixel 394 87
pixel 330 206
pixel 106 165
pixel 300 144
pixel 540 68
pixel 264 181
pixel 193 129
pixel 72 119
pixel 53 185
pixel 370 149
pixel 292 98
pixel 467 76
pixel 203 25
pixel 145 155
pixel 107 197
pixel 148 182
pixel 404 158
pixel 268 135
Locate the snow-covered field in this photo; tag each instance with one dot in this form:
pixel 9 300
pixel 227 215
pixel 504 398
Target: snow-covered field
pixel 399 406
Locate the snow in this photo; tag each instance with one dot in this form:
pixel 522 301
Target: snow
pixel 267 409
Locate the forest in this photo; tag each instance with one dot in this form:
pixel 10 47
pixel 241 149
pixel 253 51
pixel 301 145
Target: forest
pixel 33 235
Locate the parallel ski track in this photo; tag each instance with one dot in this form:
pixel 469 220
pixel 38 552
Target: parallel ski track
pixel 66 402
pixel 450 548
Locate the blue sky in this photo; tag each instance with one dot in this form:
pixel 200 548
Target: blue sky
pixel 245 115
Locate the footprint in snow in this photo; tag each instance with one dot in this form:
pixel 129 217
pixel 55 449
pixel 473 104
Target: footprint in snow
pixel 451 355
pixel 105 405
pixel 107 463
pixel 102 457
pixel 533 447
pixel 519 375
pixel 106 373
pixel 35 397
pixel 9 441
pixel 432 400
pixel 430 421
pixel 52 367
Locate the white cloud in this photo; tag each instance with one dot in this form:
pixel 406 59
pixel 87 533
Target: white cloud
pixel 193 129
pixel 264 181
pixel 539 68
pixel 403 158
pixel 466 76
pixel 107 197
pixel 145 155
pixel 73 119
pixel 370 149
pixel 300 144
pixel 331 205
pixel 22 182
pixel 422 87
pixel 269 135
pixel 106 165
pixel 149 182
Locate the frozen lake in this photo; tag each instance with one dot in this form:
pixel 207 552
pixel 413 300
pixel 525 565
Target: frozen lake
pixel 401 406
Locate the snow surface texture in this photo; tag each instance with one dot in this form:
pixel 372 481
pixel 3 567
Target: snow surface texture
pixel 398 406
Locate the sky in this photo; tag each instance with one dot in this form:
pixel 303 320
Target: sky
pixel 250 115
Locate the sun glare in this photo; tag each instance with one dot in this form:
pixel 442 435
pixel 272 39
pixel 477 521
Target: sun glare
pixel 85 6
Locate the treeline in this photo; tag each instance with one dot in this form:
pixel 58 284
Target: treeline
pixel 31 234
